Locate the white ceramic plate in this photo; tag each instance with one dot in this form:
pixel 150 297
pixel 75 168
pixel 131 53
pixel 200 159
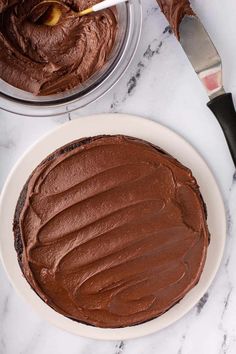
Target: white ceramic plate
pixel 113 124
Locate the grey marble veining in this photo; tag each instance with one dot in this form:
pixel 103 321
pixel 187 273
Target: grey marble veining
pixel 160 85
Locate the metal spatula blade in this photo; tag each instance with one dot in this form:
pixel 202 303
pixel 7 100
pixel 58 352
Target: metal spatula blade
pixel 206 62
pixel 202 54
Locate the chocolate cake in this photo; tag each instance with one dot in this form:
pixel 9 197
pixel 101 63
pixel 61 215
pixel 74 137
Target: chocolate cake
pixel 111 231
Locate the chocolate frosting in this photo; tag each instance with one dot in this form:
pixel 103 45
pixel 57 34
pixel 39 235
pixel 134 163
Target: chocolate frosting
pixel 113 231
pixel 175 10
pixel 46 60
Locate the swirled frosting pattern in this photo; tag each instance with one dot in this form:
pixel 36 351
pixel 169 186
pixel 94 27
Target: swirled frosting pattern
pixel 45 60
pixel 113 231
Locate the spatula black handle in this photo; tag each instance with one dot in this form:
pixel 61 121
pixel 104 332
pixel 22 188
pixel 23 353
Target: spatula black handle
pixel 224 110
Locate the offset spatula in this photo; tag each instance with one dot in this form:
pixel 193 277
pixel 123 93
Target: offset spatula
pixel 207 64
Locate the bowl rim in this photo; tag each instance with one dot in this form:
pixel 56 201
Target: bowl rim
pixel 113 124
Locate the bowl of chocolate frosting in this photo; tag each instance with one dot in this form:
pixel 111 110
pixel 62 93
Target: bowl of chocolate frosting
pixel 49 70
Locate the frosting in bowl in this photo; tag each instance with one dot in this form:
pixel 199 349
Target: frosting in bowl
pixel 45 60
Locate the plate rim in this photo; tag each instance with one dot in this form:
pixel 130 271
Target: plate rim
pixel 132 332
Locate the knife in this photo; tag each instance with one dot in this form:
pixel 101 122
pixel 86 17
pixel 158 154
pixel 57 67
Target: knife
pixel 206 62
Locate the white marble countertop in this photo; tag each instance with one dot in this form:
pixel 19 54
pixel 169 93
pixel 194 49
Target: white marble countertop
pixel 159 85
